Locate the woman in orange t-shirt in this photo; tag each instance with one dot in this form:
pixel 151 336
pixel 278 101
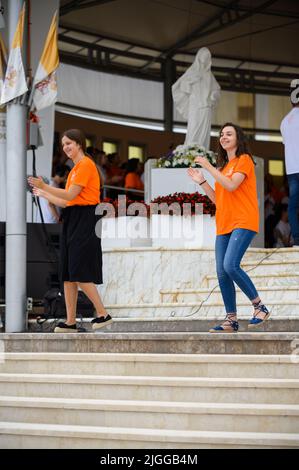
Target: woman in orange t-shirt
pixel 237 221
pixel 132 179
pixel 81 254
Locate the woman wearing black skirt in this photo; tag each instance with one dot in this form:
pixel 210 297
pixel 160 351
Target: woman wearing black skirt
pixel 81 254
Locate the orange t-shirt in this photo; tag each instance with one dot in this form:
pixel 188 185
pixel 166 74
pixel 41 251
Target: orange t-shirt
pixel 239 208
pixel 133 181
pixel 85 174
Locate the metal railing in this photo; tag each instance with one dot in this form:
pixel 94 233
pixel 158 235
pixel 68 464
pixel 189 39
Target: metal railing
pixel 121 190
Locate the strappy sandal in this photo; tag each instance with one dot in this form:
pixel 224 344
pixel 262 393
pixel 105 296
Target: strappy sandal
pixel 231 328
pixel 255 321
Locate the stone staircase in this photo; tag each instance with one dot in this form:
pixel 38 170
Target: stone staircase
pixel 111 400
pixel 155 378
pixel 176 283
pixel 277 282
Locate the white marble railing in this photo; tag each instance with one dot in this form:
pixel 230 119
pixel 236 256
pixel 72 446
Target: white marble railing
pixel 197 231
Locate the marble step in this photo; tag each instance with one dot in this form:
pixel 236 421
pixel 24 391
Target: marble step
pixel 46 436
pixel 163 365
pixel 183 389
pixel 256 254
pixel 209 296
pixel 204 310
pixel 152 414
pixel 257 342
pixel 141 325
pixel 286 278
pixel 280 254
pixel 270 266
pixel 266 268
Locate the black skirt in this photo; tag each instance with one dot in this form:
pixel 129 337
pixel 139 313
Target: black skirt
pixel 81 251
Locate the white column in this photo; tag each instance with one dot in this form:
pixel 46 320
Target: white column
pixel 15 268
pixel 2 165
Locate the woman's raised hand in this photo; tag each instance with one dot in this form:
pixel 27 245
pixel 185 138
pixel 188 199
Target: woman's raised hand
pixel 36 182
pixel 203 161
pixel 196 175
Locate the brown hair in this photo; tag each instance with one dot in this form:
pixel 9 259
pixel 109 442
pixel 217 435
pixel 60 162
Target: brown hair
pixel 242 146
pixel 77 136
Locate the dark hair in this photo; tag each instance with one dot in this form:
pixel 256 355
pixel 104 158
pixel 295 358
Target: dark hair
pixel 61 170
pixel 242 146
pixel 91 151
pixel 283 208
pixel 77 136
pixel 132 165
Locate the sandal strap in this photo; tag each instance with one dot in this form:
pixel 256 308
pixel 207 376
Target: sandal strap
pixel 260 307
pixel 233 323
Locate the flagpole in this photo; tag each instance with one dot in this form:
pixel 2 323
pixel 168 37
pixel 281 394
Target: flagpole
pixel 15 268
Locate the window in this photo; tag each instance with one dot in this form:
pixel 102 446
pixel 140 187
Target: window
pixel 246 110
pixel 276 167
pixel 110 146
pixel 136 151
pixel 88 142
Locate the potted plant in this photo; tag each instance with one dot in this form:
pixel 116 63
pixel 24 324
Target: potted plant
pixel 183 157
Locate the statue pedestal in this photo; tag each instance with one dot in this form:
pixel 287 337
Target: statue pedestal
pixel 172 231
pixel 125 232
pixel 174 180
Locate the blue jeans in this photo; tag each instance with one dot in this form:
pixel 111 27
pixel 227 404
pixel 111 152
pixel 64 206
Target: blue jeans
pixel 230 249
pixel 293 181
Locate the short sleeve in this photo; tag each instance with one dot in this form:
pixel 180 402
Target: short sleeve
pixel 82 175
pixel 244 165
pixel 130 181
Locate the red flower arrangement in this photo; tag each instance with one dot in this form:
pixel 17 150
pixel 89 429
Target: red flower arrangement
pixel 186 198
pixel 181 204
pixel 124 206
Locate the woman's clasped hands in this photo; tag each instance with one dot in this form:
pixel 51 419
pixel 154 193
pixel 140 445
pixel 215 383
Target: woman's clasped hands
pixel 37 184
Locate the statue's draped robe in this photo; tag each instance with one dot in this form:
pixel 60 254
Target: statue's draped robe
pixel 195 95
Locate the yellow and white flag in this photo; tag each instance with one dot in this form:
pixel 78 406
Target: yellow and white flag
pixel 45 84
pixel 3 62
pixel 15 81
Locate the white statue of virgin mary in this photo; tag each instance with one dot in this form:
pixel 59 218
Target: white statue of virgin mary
pixel 195 94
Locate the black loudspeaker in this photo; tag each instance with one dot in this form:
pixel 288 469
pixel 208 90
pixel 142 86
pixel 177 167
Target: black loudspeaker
pixel 2 262
pixel 2 281
pixel 42 259
pixel 43 244
pixel 2 241
pixel 40 278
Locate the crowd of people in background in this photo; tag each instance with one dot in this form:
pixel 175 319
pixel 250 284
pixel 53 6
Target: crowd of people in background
pixel 117 177
pixel 277 227
pixel 126 175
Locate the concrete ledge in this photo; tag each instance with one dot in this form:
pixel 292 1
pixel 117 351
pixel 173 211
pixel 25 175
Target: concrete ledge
pixel 186 416
pixel 184 324
pixel 163 365
pixel 149 388
pixel 170 342
pixel 43 436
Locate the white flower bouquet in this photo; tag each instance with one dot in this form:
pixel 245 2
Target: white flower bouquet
pixel 183 157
